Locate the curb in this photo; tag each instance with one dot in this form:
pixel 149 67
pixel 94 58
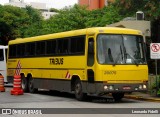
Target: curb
pixel 142 98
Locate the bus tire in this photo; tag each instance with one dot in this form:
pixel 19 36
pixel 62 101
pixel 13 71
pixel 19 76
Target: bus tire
pixel 24 84
pixel 118 96
pixel 31 86
pixel 78 91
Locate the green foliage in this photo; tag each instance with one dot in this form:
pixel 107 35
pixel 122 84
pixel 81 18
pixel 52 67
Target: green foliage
pixel 69 18
pixel 152 10
pixel 33 25
pixel 16 22
pixel 54 10
pixel 158 92
pixel 77 17
pixel 34 14
pixel 156 86
pixel 102 17
pixel 129 7
pixel 11 20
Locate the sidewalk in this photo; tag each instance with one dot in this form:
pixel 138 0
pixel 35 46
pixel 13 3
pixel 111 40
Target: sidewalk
pixel 142 97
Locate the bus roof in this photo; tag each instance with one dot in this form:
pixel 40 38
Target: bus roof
pixel 87 31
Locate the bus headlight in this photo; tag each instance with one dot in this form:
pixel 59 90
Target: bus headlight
pixel 111 87
pixel 105 87
pixel 140 86
pixel 144 86
pixel 108 87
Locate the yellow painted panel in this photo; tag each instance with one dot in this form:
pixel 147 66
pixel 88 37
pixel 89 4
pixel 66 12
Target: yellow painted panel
pixel 122 73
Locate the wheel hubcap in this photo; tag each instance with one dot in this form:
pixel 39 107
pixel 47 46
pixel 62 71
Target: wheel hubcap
pixel 23 84
pixel 78 89
pixel 30 84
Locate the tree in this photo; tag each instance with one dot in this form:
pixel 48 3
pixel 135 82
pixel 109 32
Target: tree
pixel 128 8
pixel 11 20
pixel 16 22
pixel 34 23
pixel 78 17
pixel 152 10
pixel 69 18
pixel 54 10
pixel 102 17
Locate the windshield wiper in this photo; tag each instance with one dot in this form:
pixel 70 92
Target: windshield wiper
pixel 125 53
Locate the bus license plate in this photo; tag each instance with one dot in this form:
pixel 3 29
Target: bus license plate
pixel 126 88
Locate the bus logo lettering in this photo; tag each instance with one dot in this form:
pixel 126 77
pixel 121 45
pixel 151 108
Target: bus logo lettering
pixel 56 61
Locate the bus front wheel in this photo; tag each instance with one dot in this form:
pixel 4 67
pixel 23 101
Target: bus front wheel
pixel 117 96
pixel 32 89
pixel 78 91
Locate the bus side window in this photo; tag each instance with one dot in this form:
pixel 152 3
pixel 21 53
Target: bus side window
pixel 40 48
pixel 1 55
pixel 90 59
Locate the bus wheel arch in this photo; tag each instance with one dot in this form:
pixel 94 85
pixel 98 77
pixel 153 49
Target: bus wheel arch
pixel 24 82
pixel 73 80
pixel 76 86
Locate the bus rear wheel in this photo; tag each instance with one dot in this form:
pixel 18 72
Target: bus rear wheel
pixel 31 87
pixel 78 91
pixel 117 96
pixel 24 84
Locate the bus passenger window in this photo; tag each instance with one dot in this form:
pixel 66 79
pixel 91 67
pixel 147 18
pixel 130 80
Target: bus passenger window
pixel 60 46
pixel 63 46
pixel 77 45
pixel 30 49
pixel 40 48
pixel 51 47
pixel 20 50
pixel 12 51
pixel 1 55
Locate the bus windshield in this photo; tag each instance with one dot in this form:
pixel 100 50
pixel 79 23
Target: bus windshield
pixel 120 49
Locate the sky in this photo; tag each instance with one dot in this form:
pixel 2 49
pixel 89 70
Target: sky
pixel 58 4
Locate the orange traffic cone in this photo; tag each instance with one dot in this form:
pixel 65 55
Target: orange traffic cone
pixel 2 89
pixel 17 87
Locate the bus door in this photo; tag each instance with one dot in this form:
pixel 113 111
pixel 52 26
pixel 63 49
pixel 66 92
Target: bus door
pixel 90 66
pixel 3 63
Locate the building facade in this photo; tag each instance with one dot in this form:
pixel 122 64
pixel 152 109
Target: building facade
pixel 94 4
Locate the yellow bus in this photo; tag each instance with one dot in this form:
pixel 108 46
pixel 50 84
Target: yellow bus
pixel 92 61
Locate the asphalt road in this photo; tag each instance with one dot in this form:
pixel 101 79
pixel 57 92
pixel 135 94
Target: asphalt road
pixel 57 102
